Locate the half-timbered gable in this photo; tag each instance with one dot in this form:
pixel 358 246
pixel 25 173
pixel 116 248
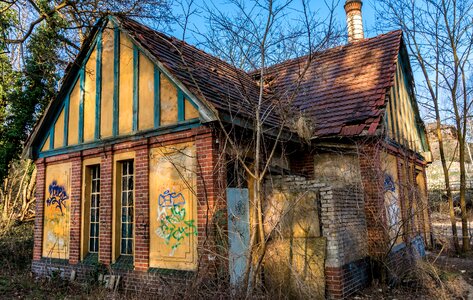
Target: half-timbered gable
pixel 402 119
pixel 114 91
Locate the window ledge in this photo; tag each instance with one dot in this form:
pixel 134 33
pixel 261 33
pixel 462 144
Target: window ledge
pixel 171 272
pixel 58 261
pixel 124 262
pixel 91 259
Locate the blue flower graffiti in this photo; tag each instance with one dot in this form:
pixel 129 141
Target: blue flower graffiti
pixel 57 196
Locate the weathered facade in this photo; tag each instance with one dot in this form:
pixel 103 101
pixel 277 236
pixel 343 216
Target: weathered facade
pixel 132 172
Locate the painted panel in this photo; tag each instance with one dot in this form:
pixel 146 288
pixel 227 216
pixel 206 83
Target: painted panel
pixel 73 135
pixel 168 102
pixel 90 97
pixel 57 204
pixel 238 232
pixel 146 94
pixel 173 207
pixel 392 198
pixel 106 105
pixel 125 95
pixel 59 131
pixel 46 145
pixel 190 111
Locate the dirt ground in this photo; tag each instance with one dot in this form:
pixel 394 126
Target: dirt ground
pixel 438 277
pixel 443 275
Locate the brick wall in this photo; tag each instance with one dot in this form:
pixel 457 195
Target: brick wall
pixel 141 208
pixel 210 197
pixel 373 188
pixel 106 207
pixel 76 195
pixel 38 222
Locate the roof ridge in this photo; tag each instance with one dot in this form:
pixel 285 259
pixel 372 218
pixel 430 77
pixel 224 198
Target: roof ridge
pixel 333 49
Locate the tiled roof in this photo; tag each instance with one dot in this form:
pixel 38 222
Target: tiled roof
pixel 344 88
pixel 343 91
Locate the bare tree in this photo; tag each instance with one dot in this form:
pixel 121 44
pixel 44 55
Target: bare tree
pixel 438 35
pixel 255 35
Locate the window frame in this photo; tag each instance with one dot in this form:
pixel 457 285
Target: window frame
pixel 87 164
pixel 127 172
pixel 118 159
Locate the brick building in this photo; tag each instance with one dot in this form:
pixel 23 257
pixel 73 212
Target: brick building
pixel 133 173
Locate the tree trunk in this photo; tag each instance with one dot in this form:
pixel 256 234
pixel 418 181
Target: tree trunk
pixel 446 175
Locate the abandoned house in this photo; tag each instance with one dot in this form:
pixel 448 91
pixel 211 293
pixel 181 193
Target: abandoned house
pixel 133 173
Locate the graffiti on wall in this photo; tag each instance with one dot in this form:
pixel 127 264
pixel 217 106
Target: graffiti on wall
pixel 173 210
pixel 57 196
pixel 57 211
pixel 173 226
pixel 391 196
pixel 168 199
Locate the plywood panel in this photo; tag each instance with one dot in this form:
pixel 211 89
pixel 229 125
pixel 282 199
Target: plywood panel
pixel 125 119
pixel 57 211
pixel 190 111
pixel 59 131
pixel 146 94
pixel 90 97
pixel 392 197
pixel 73 130
pixel 168 102
pixel 173 207
pixel 106 104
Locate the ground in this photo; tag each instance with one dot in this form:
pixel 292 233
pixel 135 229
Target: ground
pixel 443 274
pixel 440 276
pixel 17 281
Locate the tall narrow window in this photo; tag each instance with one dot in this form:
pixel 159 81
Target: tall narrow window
pixel 127 211
pixel 94 209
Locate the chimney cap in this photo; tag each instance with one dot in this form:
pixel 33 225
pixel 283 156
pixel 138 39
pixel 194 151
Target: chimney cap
pixel 348 2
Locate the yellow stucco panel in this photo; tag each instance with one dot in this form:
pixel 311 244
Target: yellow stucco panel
pixel 57 206
pixel 46 145
pixel 401 115
pixel 106 104
pixel 59 131
pixel 90 97
pixel 146 94
pixel 173 207
pixel 190 111
pixel 125 106
pixel 74 100
pixel 168 102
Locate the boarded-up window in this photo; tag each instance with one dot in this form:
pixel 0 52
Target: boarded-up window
pixel 57 211
pixel 173 207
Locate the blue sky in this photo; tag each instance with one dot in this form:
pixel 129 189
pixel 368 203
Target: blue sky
pixel 315 5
